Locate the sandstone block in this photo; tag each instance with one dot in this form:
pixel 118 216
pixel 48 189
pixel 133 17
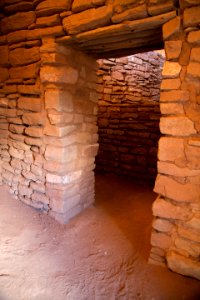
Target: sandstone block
pixel 4 74
pixel 61 154
pixel 194 37
pixel 66 179
pixel 61 118
pixel 63 218
pixel 19 129
pixel 194 223
pixel 183 265
pixel 49 7
pixel 48 21
pixel 24 190
pixel 191 248
pixel 165 209
pixel 4 55
pixel 33 141
pixel 79 5
pixel 27 103
pixel 185 54
pixel 171 108
pixel 134 13
pixel 63 206
pixel 25 72
pixel 171 149
pixel 29 89
pixel 173 49
pixel 160 7
pixel 195 54
pixel 18 6
pixel 17 21
pixel 171 70
pixel 193 70
pixel 191 16
pixel 29 175
pixel 34 131
pixel 173 170
pixel 170 188
pixel 162 225
pixel 189 233
pixel 193 157
pixel 37 170
pixel 174 96
pixel 65 75
pixel 38 187
pixel 37 33
pixel 171 28
pixel 23 56
pixel 16 153
pixel 39 197
pixel 59 130
pixel 60 100
pixel 177 126
pixel 34 119
pixel 88 20
pixel 160 240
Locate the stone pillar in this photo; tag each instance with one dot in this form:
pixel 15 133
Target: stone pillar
pixel 70 133
pixel 176 227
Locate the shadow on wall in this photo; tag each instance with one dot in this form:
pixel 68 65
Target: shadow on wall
pixel 129 114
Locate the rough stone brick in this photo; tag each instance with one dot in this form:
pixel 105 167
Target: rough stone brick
pixel 61 154
pixel 33 141
pixel 4 74
pixel 23 56
pixel 24 190
pixel 50 7
pixel 64 206
pixel 193 157
pixel 48 21
pixel 195 54
pixel 171 28
pixel 87 20
pixel 51 74
pixel 79 5
pixel 66 179
pixel 134 13
pixel 193 70
pixel 164 209
pixel 35 119
pixel 172 169
pixel 4 55
pixel 19 129
pixel 173 49
pixel 160 240
pixel 27 103
pixel 177 126
pixel 162 225
pixel 34 131
pixel 191 16
pixel 39 197
pixel 183 265
pixel 60 118
pixel 194 37
pixel 170 188
pixel 171 70
pixel 16 153
pixel 191 248
pixel 25 72
pixel 171 108
pixel 17 21
pixel 174 96
pixel 60 100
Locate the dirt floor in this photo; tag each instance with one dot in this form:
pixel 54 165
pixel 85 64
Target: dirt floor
pixel 100 255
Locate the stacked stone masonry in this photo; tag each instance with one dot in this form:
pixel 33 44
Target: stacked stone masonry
pixel 129 114
pixel 48 108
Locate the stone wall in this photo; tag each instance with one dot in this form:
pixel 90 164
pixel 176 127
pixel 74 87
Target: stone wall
pixel 129 114
pixel 176 227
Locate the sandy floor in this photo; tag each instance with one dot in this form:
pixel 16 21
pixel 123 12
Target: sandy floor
pixel 101 254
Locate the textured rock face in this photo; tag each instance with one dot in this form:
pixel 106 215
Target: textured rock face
pixel 128 117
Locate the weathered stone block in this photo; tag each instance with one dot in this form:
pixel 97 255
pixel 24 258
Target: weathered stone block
pixel 25 72
pixel 18 21
pixel 60 100
pixel 49 7
pixel 183 265
pixel 66 75
pixel 171 28
pixel 195 55
pixel 16 153
pixel 65 179
pixel 33 119
pixel 61 154
pixel 160 240
pixel 48 21
pixel 39 197
pixel 88 20
pixel 33 104
pixel 59 130
pixel 4 55
pixel 33 141
pixel 79 5
pixel 173 49
pixel 134 13
pixel 174 96
pixel 23 56
pixel 191 16
pixel 4 74
pixel 160 7
pixel 193 70
pixel 171 108
pixel 172 169
pixel 189 233
pixel 194 37
pixel 191 248
pixel 162 225
pixel 171 70
pixel 164 209
pixel 193 156
pixel 178 126
pixel 61 206
pixel 62 118
pixel 19 129
pixel 170 188
pixel 34 131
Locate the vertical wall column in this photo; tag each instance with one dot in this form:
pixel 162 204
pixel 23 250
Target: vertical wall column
pixel 176 226
pixel 70 134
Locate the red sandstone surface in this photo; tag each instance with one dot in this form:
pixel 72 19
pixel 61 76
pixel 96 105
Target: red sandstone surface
pixel 101 254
